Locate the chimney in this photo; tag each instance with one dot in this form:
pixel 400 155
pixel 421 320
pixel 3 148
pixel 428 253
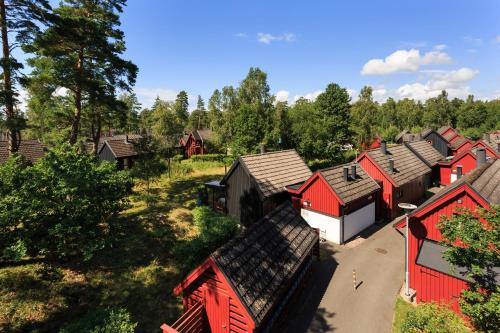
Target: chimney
pixel 480 157
pixel 459 172
pixel 383 147
pixel 346 174
pixel 391 165
pixel 262 148
pixel 353 171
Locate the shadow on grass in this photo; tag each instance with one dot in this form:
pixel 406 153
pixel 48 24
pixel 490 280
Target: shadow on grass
pixel 136 271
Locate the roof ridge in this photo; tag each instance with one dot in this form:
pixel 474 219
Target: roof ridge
pixel 270 153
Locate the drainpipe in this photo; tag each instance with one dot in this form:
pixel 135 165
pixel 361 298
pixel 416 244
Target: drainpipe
pixel 342 214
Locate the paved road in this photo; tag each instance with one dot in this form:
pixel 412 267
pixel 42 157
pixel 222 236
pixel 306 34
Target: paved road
pixel 330 304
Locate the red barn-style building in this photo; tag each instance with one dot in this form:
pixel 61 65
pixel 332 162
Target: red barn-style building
pixel 401 174
pixel 490 151
pixel 431 276
pixel 196 142
pixel 460 165
pixel 339 201
pixel 246 285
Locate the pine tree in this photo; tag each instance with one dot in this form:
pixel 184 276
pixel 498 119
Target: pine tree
pixel 181 106
pixel 20 19
pixel 85 44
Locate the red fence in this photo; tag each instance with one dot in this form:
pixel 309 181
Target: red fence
pixel 192 321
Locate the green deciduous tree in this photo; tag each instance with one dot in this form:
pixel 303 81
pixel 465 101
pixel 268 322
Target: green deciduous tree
pixel 64 205
pixel 471 114
pixel 473 241
pixel 364 117
pixel 149 166
pixel 439 111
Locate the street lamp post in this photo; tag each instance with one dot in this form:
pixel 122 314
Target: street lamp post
pixel 407 208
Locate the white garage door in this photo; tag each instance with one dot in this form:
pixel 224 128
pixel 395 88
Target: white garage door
pixel 329 226
pixel 359 220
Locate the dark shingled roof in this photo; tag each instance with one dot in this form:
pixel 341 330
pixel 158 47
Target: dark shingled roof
pixel 261 263
pixel 443 129
pixel 401 134
pixel 203 134
pixel 352 189
pixel 430 255
pixel 274 171
pixel 32 150
pixel 426 152
pixel 485 181
pixel 406 164
pixel 458 142
pixel 120 148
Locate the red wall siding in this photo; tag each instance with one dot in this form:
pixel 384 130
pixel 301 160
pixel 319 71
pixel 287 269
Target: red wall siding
pixel 220 306
pixel 467 162
pixel 387 187
pixel 429 284
pixel 322 200
pixel 464 147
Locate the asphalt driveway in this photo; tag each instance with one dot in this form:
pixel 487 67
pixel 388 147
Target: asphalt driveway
pixel 329 302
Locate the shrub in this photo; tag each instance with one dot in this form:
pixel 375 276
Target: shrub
pixel 62 205
pixel 208 158
pixel 432 318
pixel 214 230
pixel 16 251
pixel 103 321
pixel 178 158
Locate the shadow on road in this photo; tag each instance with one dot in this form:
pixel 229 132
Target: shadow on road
pixel 306 315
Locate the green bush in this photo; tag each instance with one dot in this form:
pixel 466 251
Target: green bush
pixel 178 158
pixel 16 251
pixel 432 318
pixel 103 321
pixel 214 230
pixel 208 158
pixel 63 205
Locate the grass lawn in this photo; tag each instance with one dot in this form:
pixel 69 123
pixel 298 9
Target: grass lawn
pixel 137 273
pixel 400 310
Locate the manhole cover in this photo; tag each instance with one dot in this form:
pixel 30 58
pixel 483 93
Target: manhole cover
pixel 379 250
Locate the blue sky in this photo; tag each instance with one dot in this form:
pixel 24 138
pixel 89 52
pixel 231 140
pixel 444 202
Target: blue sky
pixel 199 46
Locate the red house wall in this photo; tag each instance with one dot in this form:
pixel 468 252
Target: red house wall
pixel 322 200
pixel 431 285
pixel 220 304
pixel 448 131
pixel 385 206
pixel 467 161
pixel 193 147
pixel 462 148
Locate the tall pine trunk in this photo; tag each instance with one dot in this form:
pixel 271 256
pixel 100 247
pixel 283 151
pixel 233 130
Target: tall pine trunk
pixel 78 100
pixel 13 144
pixel 96 133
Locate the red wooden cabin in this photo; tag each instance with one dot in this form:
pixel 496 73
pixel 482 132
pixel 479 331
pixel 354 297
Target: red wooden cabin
pixel 402 175
pixel 447 132
pixel 196 142
pixel 431 276
pixel 459 145
pixel 460 165
pixel 246 285
pixel 373 145
pixel 490 151
pixel 339 201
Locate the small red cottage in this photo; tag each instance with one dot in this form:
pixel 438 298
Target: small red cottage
pixel 431 276
pixel 339 201
pixel 447 132
pixel 460 165
pixel 196 142
pixel 459 145
pixel 246 285
pixel 490 151
pixel 402 175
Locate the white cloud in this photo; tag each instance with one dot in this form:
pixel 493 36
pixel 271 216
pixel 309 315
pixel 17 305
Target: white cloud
pixel 497 39
pixel 241 35
pixel 454 82
pixel 403 60
pixel 353 94
pixel 147 96
pixel 473 40
pixel 267 38
pixel 22 99
pixel 440 47
pixel 282 96
pixel 61 92
pixel 310 96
